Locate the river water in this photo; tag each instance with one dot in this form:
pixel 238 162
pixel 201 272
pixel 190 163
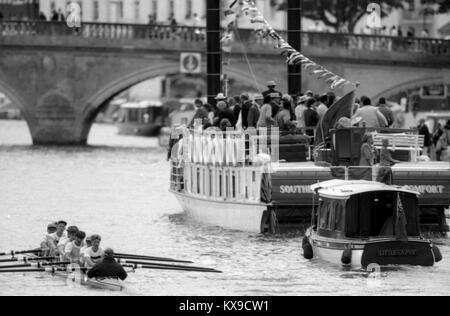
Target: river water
pixel 118 187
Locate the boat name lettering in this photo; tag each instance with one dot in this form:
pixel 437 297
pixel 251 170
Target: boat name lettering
pixel 397 253
pixel 427 189
pixel 295 189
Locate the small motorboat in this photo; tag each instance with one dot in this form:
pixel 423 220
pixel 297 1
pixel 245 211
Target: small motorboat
pixel 363 223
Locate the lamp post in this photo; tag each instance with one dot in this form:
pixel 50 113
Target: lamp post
pixel 295 40
pixel 213 50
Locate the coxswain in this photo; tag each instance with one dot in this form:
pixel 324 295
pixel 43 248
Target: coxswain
pixel 63 241
pixel 108 268
pixel 94 254
pixel 72 251
pixel 46 243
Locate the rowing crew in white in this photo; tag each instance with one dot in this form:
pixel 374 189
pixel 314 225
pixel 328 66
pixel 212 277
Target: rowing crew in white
pixel 72 245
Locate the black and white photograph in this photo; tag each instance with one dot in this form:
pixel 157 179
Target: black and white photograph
pixel 224 153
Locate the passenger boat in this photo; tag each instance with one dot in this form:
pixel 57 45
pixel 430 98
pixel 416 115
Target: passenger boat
pixel 220 180
pixel 363 223
pixel 143 118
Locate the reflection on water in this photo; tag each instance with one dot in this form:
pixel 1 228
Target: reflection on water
pixel 118 187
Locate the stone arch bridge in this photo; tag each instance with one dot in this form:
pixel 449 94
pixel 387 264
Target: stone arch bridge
pixel 60 80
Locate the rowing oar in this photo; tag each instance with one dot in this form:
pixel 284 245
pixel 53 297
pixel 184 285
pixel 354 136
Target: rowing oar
pixel 139 266
pixel 138 257
pixel 25 259
pixel 52 270
pixel 22 252
pixel 36 265
pixel 164 265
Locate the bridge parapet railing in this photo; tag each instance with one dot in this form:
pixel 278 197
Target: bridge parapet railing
pixel 103 30
pixel 430 46
pixel 322 41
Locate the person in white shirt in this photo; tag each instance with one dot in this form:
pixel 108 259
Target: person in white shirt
pixel 46 243
pixel 60 233
pixel 63 241
pixel 72 251
pixel 322 109
pixel 93 254
pixel 300 111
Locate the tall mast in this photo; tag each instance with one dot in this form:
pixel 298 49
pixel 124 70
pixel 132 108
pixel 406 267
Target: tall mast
pixel 213 50
pixel 295 40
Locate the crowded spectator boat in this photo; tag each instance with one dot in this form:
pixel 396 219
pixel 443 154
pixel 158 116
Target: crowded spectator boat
pixel 228 179
pixel 362 224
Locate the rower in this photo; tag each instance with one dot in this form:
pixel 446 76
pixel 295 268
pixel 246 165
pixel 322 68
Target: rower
pixel 93 254
pixel 60 232
pixel 108 268
pixel 56 236
pixel 72 251
pixel 46 243
pixel 63 241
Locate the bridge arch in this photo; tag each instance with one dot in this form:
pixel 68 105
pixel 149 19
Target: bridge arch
pixel 95 102
pixel 15 98
pixel 409 85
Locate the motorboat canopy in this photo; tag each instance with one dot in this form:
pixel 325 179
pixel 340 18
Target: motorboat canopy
pixel 341 189
pixel 363 209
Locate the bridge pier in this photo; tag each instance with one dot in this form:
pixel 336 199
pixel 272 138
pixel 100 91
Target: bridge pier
pixel 57 135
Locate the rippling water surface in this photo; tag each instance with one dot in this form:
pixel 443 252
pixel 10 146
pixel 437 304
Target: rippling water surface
pixel 117 187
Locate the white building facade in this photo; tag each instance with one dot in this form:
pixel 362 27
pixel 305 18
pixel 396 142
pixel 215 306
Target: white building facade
pixel 193 13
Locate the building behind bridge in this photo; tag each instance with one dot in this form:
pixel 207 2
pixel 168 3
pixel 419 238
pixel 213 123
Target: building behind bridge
pixel 192 13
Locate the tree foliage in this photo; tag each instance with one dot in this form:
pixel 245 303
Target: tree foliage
pixel 336 13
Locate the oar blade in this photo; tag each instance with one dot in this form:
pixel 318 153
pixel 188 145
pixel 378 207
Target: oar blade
pixel 149 258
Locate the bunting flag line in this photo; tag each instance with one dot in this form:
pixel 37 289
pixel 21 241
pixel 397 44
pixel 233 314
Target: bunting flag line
pixel 292 56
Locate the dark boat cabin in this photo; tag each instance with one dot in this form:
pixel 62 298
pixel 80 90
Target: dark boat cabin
pixel 369 215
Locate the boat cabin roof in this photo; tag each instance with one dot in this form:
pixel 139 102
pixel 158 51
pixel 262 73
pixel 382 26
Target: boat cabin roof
pixel 340 189
pixel 141 105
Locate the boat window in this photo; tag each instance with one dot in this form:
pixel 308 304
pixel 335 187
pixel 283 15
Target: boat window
pixel 234 184
pixel 339 218
pixel 227 184
pixel 374 214
pixel 133 115
pixel 210 182
pixel 324 214
pixel 220 183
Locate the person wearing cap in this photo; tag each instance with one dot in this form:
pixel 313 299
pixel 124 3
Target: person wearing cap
pixel 108 268
pixel 220 97
pixel 254 112
pixel 271 85
pixel 72 251
pixel 94 253
pixel 300 111
pixel 309 94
